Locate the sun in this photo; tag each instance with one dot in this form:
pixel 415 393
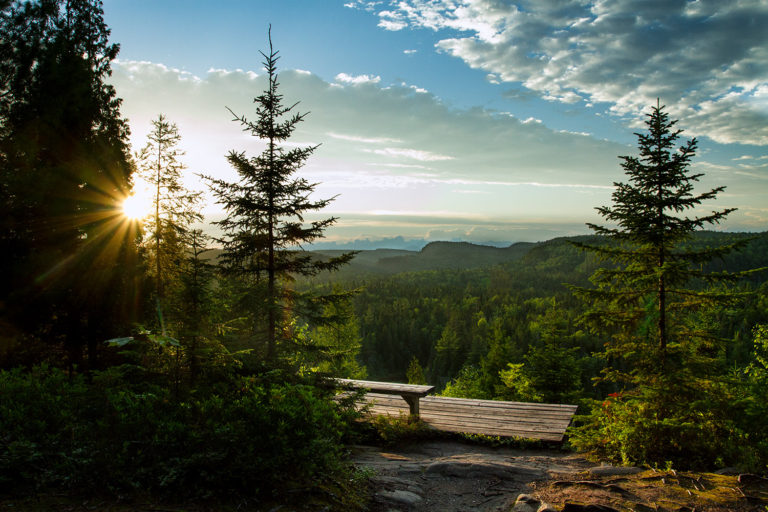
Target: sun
pixel 137 206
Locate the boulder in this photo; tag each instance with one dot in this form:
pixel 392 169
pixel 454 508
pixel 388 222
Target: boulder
pixel 400 497
pixel 526 503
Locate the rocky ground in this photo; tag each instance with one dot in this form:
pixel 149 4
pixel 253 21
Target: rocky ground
pixel 451 476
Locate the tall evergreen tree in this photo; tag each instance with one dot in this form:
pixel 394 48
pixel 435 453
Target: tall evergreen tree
pixel 648 245
pixel 193 310
pixel 64 168
pixel 265 228
pixel 668 367
pixel 174 207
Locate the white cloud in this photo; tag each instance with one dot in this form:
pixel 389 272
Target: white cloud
pixel 415 154
pixel 704 59
pixel 357 79
pixel 365 140
pixel 366 5
pixel 386 148
pixel 390 20
pixel 410 52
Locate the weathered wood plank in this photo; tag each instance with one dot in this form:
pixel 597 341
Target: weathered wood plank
pixel 501 404
pixel 395 388
pixel 500 420
pixel 439 407
pixel 509 419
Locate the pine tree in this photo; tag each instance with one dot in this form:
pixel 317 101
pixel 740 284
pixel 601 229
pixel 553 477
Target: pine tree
pixel 667 368
pixel 64 169
pixel 193 312
pixel 174 207
pixel 644 291
pixel 265 229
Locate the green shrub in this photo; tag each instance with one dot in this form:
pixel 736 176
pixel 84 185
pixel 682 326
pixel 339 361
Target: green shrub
pixel 390 430
pixel 700 430
pixel 253 440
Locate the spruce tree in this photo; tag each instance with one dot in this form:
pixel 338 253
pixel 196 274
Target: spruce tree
pixel 665 367
pixel 194 308
pixel 174 207
pixel 265 229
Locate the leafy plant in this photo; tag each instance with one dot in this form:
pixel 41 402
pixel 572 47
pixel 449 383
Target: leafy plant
pixel 114 435
pixel 403 428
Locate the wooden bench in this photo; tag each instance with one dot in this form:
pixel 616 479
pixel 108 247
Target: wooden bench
pixel 411 393
pixel 546 422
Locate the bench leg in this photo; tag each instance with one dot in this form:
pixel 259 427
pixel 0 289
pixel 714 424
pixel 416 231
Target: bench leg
pixel 413 404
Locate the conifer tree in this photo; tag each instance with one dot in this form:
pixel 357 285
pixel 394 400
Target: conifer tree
pixel 653 261
pixel 174 207
pixel 415 373
pixel 265 227
pixel 193 311
pixel 64 169
pixel 667 368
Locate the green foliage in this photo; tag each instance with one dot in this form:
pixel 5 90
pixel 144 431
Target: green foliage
pixel 642 299
pixel 656 301
pixel 64 169
pixel 758 368
pixel 551 371
pixel 336 343
pixel 689 427
pixel 264 228
pixel 754 403
pixel 391 430
pixel 415 373
pixel 249 439
pixel 468 384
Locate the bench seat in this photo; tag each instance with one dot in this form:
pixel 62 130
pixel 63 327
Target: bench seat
pixel 546 422
pixel 411 393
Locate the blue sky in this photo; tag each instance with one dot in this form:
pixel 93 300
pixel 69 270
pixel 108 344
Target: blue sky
pixel 479 120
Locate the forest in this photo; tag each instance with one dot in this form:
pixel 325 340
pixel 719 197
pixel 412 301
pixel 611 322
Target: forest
pixel 146 357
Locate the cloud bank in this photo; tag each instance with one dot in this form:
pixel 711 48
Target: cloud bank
pixel 471 173
pixel 705 59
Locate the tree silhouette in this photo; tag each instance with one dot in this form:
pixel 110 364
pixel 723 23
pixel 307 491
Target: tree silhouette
pixel 265 227
pixel 174 207
pixel 66 253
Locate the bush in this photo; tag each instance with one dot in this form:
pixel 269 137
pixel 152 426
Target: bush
pixel 698 429
pixel 394 430
pixel 66 433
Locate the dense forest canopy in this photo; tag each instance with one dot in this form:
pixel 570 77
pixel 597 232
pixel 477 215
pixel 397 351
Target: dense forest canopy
pixel 135 358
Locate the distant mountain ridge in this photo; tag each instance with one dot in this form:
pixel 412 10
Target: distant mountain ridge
pixel 434 256
pixel 556 253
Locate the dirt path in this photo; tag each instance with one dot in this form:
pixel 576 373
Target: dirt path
pixel 458 477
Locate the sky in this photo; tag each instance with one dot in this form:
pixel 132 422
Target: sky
pixel 476 120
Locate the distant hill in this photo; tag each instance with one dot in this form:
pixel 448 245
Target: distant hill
pixel 434 256
pixel 551 255
pixel 454 255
